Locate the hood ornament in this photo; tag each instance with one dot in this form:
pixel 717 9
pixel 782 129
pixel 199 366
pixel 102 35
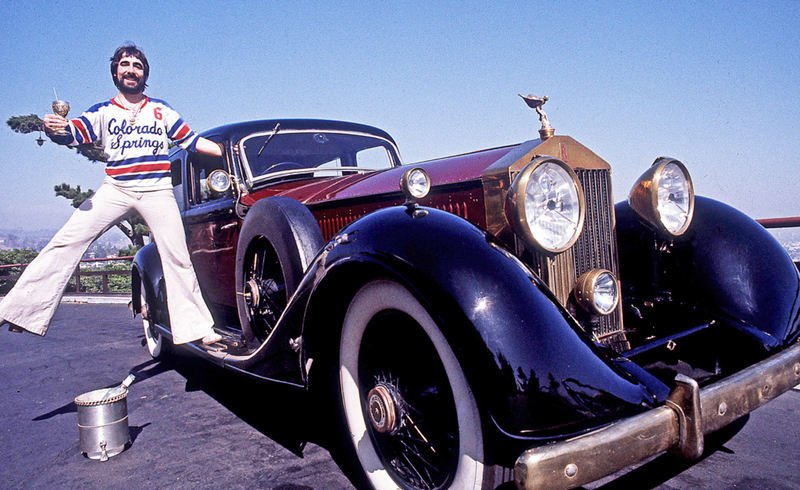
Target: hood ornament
pixel 536 103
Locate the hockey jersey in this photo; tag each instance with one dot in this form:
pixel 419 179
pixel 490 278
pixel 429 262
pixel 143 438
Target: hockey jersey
pixel 136 143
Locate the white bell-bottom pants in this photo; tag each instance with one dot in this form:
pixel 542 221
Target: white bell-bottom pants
pixel 32 302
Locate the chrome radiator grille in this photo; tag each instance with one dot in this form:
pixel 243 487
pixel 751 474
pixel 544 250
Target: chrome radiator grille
pixel 595 248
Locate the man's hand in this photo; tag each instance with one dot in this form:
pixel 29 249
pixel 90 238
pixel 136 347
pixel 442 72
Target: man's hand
pixel 54 123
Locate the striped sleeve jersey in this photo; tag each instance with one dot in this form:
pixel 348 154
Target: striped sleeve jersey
pixel 136 148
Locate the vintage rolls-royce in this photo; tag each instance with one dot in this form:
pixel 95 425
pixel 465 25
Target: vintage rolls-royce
pixel 482 318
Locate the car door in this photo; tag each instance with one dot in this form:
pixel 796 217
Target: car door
pixel 212 230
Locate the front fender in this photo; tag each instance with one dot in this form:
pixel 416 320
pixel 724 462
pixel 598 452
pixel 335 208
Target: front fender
pixel 533 370
pixel 726 265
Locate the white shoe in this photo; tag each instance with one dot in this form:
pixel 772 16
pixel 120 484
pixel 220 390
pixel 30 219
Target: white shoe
pixel 12 327
pixel 211 338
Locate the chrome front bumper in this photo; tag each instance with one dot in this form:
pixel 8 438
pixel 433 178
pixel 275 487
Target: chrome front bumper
pixel 678 426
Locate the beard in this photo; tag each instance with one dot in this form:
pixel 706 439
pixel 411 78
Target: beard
pixel 137 88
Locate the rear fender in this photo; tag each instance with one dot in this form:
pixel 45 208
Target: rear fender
pixel 147 266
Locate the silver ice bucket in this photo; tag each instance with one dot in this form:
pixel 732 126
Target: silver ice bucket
pixel 103 422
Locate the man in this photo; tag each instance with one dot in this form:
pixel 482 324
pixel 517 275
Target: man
pixel 135 132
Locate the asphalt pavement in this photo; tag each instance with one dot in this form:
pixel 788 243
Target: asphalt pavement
pixel 196 426
pixel 193 425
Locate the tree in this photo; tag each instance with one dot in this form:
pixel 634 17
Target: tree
pixel 25 124
pixel 67 192
pixel 135 228
pixel 128 252
pixel 32 122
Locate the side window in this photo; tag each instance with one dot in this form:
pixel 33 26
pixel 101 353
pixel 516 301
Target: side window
pixel 200 167
pixel 335 163
pixel 176 167
pixel 376 157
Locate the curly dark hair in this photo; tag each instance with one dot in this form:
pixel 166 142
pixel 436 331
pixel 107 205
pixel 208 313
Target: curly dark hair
pixel 128 50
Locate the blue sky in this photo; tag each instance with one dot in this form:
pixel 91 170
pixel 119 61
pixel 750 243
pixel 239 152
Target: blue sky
pixel 714 84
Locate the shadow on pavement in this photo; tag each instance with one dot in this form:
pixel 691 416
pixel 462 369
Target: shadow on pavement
pixel 65 409
pixel 287 415
pixel 281 413
pixel 155 368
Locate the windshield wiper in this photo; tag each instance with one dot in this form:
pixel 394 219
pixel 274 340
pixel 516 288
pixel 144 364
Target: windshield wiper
pixel 269 138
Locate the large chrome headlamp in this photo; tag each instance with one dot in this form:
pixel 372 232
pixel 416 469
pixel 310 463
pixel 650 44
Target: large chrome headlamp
pixel 664 197
pixel 545 205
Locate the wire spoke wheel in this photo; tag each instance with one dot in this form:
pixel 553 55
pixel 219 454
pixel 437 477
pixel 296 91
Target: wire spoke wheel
pixel 405 399
pixel 421 443
pixel 264 287
pixel 279 238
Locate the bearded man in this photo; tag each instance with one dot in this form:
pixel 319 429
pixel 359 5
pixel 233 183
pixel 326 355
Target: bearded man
pixel 135 131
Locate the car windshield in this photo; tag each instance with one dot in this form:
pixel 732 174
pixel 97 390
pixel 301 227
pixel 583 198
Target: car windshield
pixel 287 154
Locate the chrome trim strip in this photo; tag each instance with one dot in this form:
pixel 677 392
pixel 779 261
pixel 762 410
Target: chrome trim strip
pixel 678 426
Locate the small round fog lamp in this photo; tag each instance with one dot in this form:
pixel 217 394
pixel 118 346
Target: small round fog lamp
pixel 597 292
pixel 219 181
pixel 415 183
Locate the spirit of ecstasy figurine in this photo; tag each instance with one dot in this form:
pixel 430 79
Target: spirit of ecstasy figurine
pixel 536 103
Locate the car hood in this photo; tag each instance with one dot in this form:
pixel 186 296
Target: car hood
pixel 443 171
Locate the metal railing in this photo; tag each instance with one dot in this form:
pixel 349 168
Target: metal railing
pixel 781 223
pixel 79 273
pixel 793 222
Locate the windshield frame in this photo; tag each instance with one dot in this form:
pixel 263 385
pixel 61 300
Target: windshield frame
pixel 278 132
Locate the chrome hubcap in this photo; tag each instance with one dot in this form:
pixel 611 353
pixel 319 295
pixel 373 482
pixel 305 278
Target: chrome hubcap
pixel 383 413
pixel 252 294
